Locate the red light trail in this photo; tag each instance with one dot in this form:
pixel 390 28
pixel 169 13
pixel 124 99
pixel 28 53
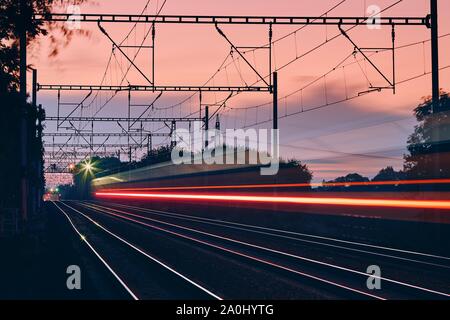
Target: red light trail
pixel 294 185
pixel 360 202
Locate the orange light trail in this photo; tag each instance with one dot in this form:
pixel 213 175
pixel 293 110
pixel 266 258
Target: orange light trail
pixel 417 204
pixel 294 185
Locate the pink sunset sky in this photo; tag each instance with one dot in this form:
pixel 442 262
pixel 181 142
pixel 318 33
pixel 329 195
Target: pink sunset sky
pixel 361 135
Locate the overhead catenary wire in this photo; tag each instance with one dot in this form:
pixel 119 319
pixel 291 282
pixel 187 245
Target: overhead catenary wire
pixel 277 69
pixel 147 34
pixel 311 50
pixel 109 69
pixel 324 77
pixel 343 66
pixel 345 99
pixel 225 66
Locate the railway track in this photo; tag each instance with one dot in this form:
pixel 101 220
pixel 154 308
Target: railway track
pixel 232 260
pixel 130 264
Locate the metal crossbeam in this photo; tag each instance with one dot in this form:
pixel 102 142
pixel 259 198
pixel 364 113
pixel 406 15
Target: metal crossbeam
pixel 49 155
pixel 107 119
pixel 57 171
pixel 89 146
pixel 70 160
pixel 265 20
pixel 55 87
pixel 102 134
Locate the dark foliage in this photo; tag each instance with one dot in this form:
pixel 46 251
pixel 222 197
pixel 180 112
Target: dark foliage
pixel 389 174
pixel 351 177
pixel 429 145
pixel 303 174
pixel 16 15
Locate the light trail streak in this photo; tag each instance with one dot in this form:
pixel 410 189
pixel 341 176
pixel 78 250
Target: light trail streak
pixel 298 185
pixel 359 202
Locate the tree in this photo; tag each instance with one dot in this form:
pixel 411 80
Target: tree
pixel 16 15
pixel 68 192
pixel 302 172
pixel 12 20
pixel 351 177
pixel 158 155
pixel 429 144
pixel 389 174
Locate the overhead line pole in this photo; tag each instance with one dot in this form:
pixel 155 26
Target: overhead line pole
pixel 23 113
pixel 35 196
pixel 434 54
pixel 435 83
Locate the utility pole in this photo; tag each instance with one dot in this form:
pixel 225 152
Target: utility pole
pixel 435 54
pixel 23 113
pixel 206 126
pixel 34 90
pixel 217 122
pixel 275 123
pixel 275 99
pixel 39 162
pixel 153 53
pixel 435 83
pixel 173 129
pixel 35 163
pixel 149 144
